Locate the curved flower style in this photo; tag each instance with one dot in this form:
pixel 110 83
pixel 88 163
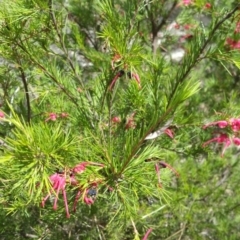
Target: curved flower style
pixel 220 124
pixel 147 234
pixel 116 77
pixel 51 117
pixel 58 183
pixel 60 180
pixel 222 138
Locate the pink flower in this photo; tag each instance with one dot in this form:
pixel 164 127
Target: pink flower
pixel 137 78
pixel 130 122
pixel 236 141
pixel 222 138
pixel 186 2
pixel 220 124
pixel 237 29
pixel 2 115
pixel 235 124
pixel 90 196
pixel 166 165
pixel 169 132
pixel 116 119
pixel 116 77
pixel 80 168
pixel 208 5
pixel 185 37
pixel 233 44
pixel 147 233
pixel 51 117
pixel 58 183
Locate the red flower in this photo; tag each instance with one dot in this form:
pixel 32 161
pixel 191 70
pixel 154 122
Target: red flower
pixel 237 29
pixel 116 119
pixel 236 141
pixel 116 77
pixel 220 124
pixel 58 183
pixel 147 233
pixel 235 124
pixel 137 78
pixel 51 117
pixel 130 122
pixel 186 2
pixel 208 5
pixel 222 138
pixel 233 44
pixel 90 196
pixel 80 168
pixel 2 115
pixel 169 132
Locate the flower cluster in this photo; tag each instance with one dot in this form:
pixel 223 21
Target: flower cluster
pixel 53 116
pixel 61 179
pixel 224 137
pixel 234 43
pixel 2 115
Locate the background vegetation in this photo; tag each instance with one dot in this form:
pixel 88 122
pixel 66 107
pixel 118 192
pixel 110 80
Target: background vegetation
pixel 104 102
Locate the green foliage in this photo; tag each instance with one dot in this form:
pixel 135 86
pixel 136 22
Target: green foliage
pixel 90 92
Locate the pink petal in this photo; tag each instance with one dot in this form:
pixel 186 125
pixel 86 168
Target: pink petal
pixel 221 124
pixel 147 233
pixel 235 124
pixel 65 202
pixel 118 75
pixel 79 168
pixel 227 144
pixel 45 199
pixel 209 141
pixel 137 78
pixel 169 132
pixel 76 200
pixel 236 141
pixel 61 186
pixel 88 201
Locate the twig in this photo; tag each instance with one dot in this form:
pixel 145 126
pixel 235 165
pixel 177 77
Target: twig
pixel 200 51
pixel 25 85
pixel 24 80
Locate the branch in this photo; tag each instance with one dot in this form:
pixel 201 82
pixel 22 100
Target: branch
pixel 25 85
pixel 24 80
pixel 200 51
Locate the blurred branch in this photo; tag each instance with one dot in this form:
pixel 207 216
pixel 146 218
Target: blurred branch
pixel 25 85
pixel 199 52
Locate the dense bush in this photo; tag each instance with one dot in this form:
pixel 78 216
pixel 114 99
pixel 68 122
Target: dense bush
pixel 119 119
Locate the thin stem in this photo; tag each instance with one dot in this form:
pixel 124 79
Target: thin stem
pixel 142 139
pixel 66 51
pixel 25 85
pixel 47 73
pixel 24 80
pixel 200 51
